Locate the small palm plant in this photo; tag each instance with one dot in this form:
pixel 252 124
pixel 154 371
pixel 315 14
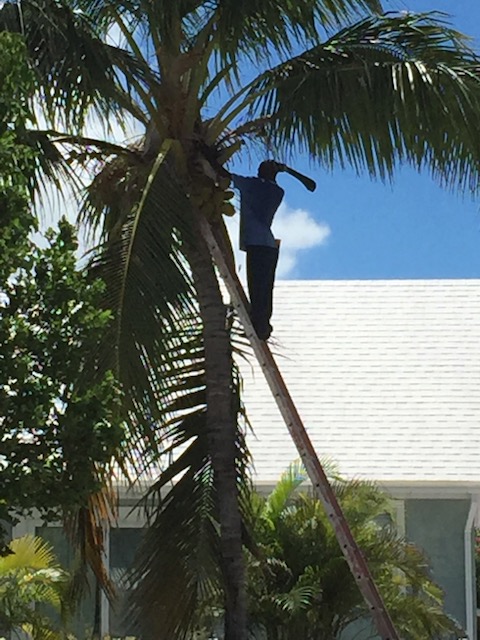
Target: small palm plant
pixel 30 576
pixel 300 585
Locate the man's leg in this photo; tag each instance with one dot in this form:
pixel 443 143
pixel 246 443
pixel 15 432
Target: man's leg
pixel 261 266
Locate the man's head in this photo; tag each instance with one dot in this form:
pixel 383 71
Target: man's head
pixel 268 169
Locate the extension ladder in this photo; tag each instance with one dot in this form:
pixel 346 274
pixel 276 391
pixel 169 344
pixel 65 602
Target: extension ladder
pixel 216 239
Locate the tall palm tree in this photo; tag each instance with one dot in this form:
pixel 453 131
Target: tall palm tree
pixel 335 79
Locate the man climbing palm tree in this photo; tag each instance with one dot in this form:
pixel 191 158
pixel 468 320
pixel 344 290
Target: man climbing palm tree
pixel 260 198
pixel 370 90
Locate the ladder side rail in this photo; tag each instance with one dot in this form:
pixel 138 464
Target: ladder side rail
pixel 320 484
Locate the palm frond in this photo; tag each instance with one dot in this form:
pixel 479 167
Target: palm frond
pixel 85 529
pixel 297 600
pixel 51 166
pixel 153 342
pixel 387 90
pixel 75 69
pixel 28 552
pixel 182 542
pixel 290 480
pixel 255 29
pixel 30 576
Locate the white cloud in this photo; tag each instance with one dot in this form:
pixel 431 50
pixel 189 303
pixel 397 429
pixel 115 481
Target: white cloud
pixel 298 231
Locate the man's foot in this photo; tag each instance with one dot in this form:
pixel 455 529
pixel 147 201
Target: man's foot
pixel 264 334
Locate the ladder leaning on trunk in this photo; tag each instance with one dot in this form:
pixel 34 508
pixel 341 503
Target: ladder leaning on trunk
pixel 215 238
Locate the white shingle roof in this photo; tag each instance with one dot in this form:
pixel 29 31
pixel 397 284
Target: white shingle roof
pixel 385 374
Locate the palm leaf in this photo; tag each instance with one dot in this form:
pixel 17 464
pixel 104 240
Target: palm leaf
pixel 85 528
pixel 30 576
pixel 50 166
pixel 182 542
pixel 74 67
pixel 386 90
pixel 297 599
pixel 28 552
pixel 290 480
pixel 149 291
pixel 240 26
pixel 255 28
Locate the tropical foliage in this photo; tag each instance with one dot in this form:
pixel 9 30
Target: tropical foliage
pixel 54 431
pixel 30 576
pixel 59 424
pixel 338 80
pixel 300 585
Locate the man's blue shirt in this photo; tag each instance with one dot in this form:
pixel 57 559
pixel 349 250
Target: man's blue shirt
pixel 259 202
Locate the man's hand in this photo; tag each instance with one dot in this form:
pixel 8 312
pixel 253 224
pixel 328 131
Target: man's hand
pixel 210 156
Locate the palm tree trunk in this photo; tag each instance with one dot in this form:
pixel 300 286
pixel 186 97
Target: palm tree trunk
pixel 222 430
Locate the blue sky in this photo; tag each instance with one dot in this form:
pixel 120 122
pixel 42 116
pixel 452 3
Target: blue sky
pixel 361 229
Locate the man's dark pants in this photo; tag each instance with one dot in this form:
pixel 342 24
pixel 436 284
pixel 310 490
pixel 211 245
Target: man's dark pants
pixel 261 266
